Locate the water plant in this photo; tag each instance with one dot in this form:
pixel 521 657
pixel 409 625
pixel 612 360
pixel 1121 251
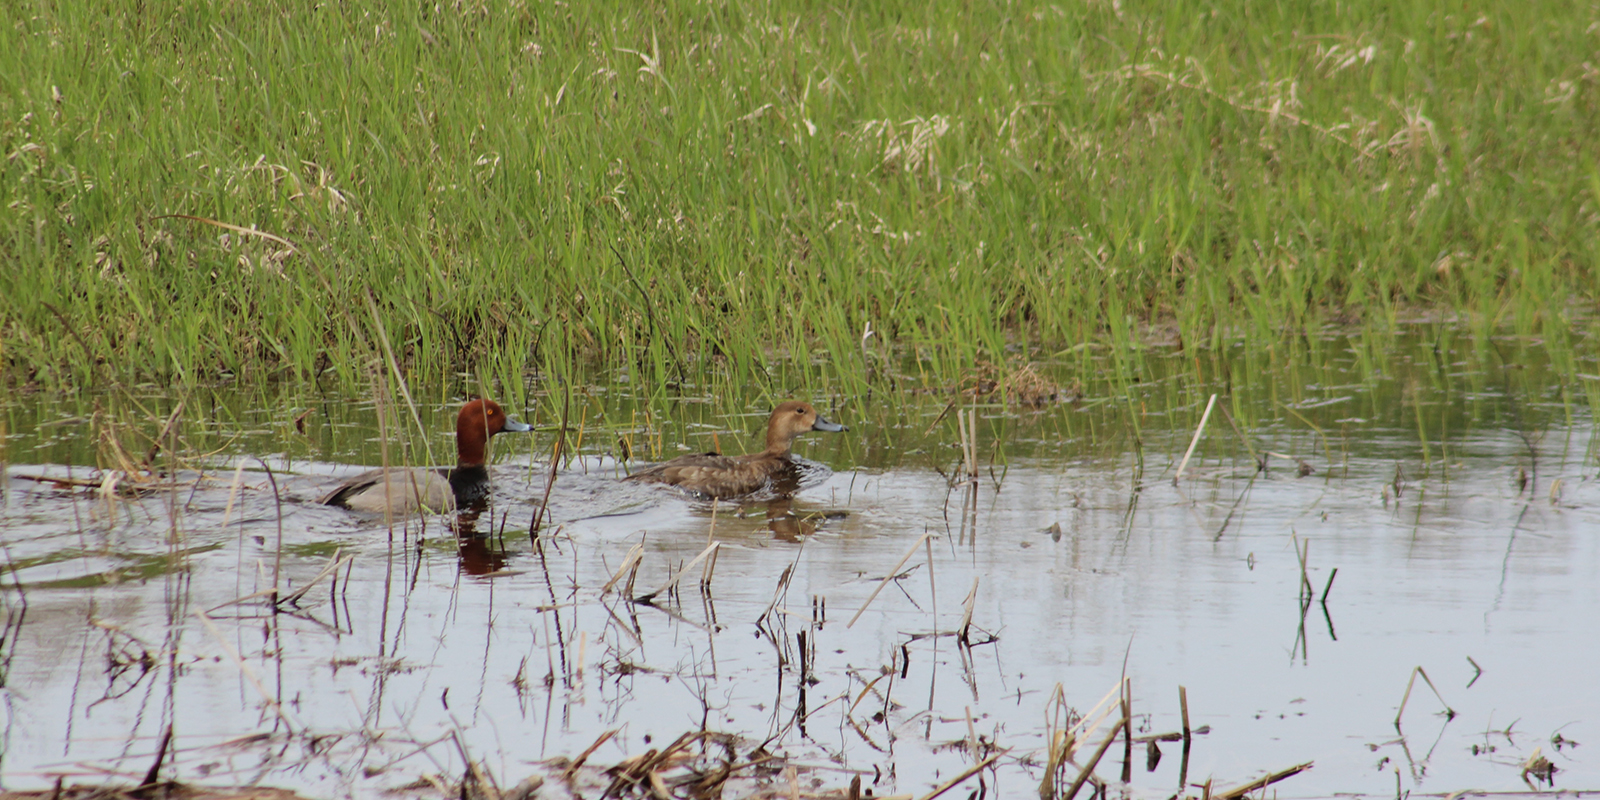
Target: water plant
pixel 732 194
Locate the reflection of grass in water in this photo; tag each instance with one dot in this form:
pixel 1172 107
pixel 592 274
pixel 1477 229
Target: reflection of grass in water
pixel 969 179
pixel 315 549
pixel 140 567
pixel 1313 396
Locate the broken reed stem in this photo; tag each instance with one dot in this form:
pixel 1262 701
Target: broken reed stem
pixel 1184 464
pixel 166 430
pixel 960 432
pixel 961 437
pixel 1057 756
pixel 474 775
pixel 972 732
pixel 933 590
pixel 865 690
pixel 889 577
pixel 1302 551
pixel 1264 781
pixel 972 437
pixel 333 565
pixel 277 500
pixel 710 569
pixel 1329 587
pixel 583 656
pixel 154 774
pixel 673 581
pixel 967 433
pixel 1089 723
pixel 233 495
pixel 1088 769
pixel 555 461
pixel 966 611
pixel 631 560
pixel 244 669
pixel 953 782
pixel 577 763
pixel 1183 710
pixel 711 537
pixel 1065 742
pixel 1450 713
pixel 1127 730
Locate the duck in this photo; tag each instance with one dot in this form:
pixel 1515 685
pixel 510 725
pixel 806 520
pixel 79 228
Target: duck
pixel 404 491
pixel 716 476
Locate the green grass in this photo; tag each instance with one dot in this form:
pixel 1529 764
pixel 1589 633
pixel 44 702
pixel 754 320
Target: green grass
pixel 978 182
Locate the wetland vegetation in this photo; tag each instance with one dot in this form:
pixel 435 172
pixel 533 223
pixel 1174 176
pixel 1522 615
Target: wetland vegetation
pixel 730 193
pixel 1244 348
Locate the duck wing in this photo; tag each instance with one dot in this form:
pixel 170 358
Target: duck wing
pixel 707 474
pixel 398 489
pixel 353 485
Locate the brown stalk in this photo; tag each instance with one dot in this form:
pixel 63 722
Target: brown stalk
pixel 673 581
pixel 577 763
pixel 1127 730
pixel 1088 769
pixel 155 444
pixel 1200 429
pixel 1266 780
pixel 1183 767
pixel 971 771
pixel 1415 671
pixel 895 570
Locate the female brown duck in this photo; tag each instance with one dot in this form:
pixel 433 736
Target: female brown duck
pixel 719 476
pixel 407 491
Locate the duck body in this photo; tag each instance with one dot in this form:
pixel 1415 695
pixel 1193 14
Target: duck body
pixel 408 491
pixel 776 468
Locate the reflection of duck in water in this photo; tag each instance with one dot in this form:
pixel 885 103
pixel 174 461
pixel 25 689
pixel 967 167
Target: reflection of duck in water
pixel 776 468
pixel 791 525
pixel 477 555
pixel 406 491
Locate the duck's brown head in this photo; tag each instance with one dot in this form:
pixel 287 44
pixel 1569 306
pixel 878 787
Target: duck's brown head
pixel 791 419
pixel 479 420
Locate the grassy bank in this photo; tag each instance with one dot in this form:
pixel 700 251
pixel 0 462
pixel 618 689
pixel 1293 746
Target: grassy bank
pixel 733 192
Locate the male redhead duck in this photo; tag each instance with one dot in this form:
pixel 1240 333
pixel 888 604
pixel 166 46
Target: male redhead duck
pixel 407 491
pixel 718 476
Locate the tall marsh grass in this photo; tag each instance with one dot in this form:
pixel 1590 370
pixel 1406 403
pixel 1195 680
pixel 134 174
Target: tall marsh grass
pixel 731 194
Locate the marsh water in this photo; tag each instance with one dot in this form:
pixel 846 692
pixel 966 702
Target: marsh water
pixel 1449 481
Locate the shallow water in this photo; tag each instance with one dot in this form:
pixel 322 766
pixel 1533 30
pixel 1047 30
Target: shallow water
pixel 1466 550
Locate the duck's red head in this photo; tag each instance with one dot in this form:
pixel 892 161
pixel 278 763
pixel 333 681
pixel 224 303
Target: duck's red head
pixel 479 420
